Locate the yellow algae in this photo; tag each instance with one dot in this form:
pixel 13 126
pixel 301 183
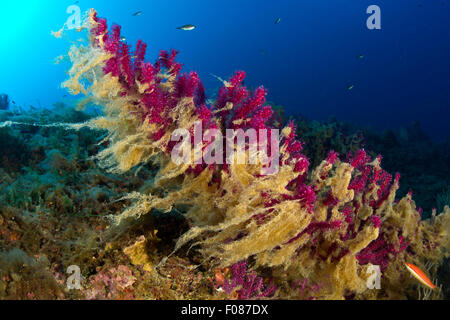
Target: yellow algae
pixel 222 211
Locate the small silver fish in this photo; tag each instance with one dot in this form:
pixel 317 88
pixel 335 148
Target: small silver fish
pixel 278 20
pixel 123 39
pixel 137 13
pixel 187 27
pixel 361 56
pixel 351 87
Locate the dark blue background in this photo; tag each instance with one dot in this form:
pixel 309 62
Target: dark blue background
pixel 310 60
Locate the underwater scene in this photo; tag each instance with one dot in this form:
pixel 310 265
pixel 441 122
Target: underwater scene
pixel 225 150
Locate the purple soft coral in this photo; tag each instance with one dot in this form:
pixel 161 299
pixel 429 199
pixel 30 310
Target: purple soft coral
pixel 247 284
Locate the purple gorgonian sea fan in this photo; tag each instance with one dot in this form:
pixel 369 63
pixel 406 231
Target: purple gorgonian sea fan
pixel 329 225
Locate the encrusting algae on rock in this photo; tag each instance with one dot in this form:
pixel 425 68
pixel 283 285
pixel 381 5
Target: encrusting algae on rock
pixel 330 225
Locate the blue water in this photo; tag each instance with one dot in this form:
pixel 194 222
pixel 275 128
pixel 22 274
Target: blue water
pixel 307 61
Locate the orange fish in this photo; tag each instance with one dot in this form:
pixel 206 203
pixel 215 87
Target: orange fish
pixel 420 275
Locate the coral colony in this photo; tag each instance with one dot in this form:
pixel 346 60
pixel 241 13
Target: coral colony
pixel 4 101
pixel 318 230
